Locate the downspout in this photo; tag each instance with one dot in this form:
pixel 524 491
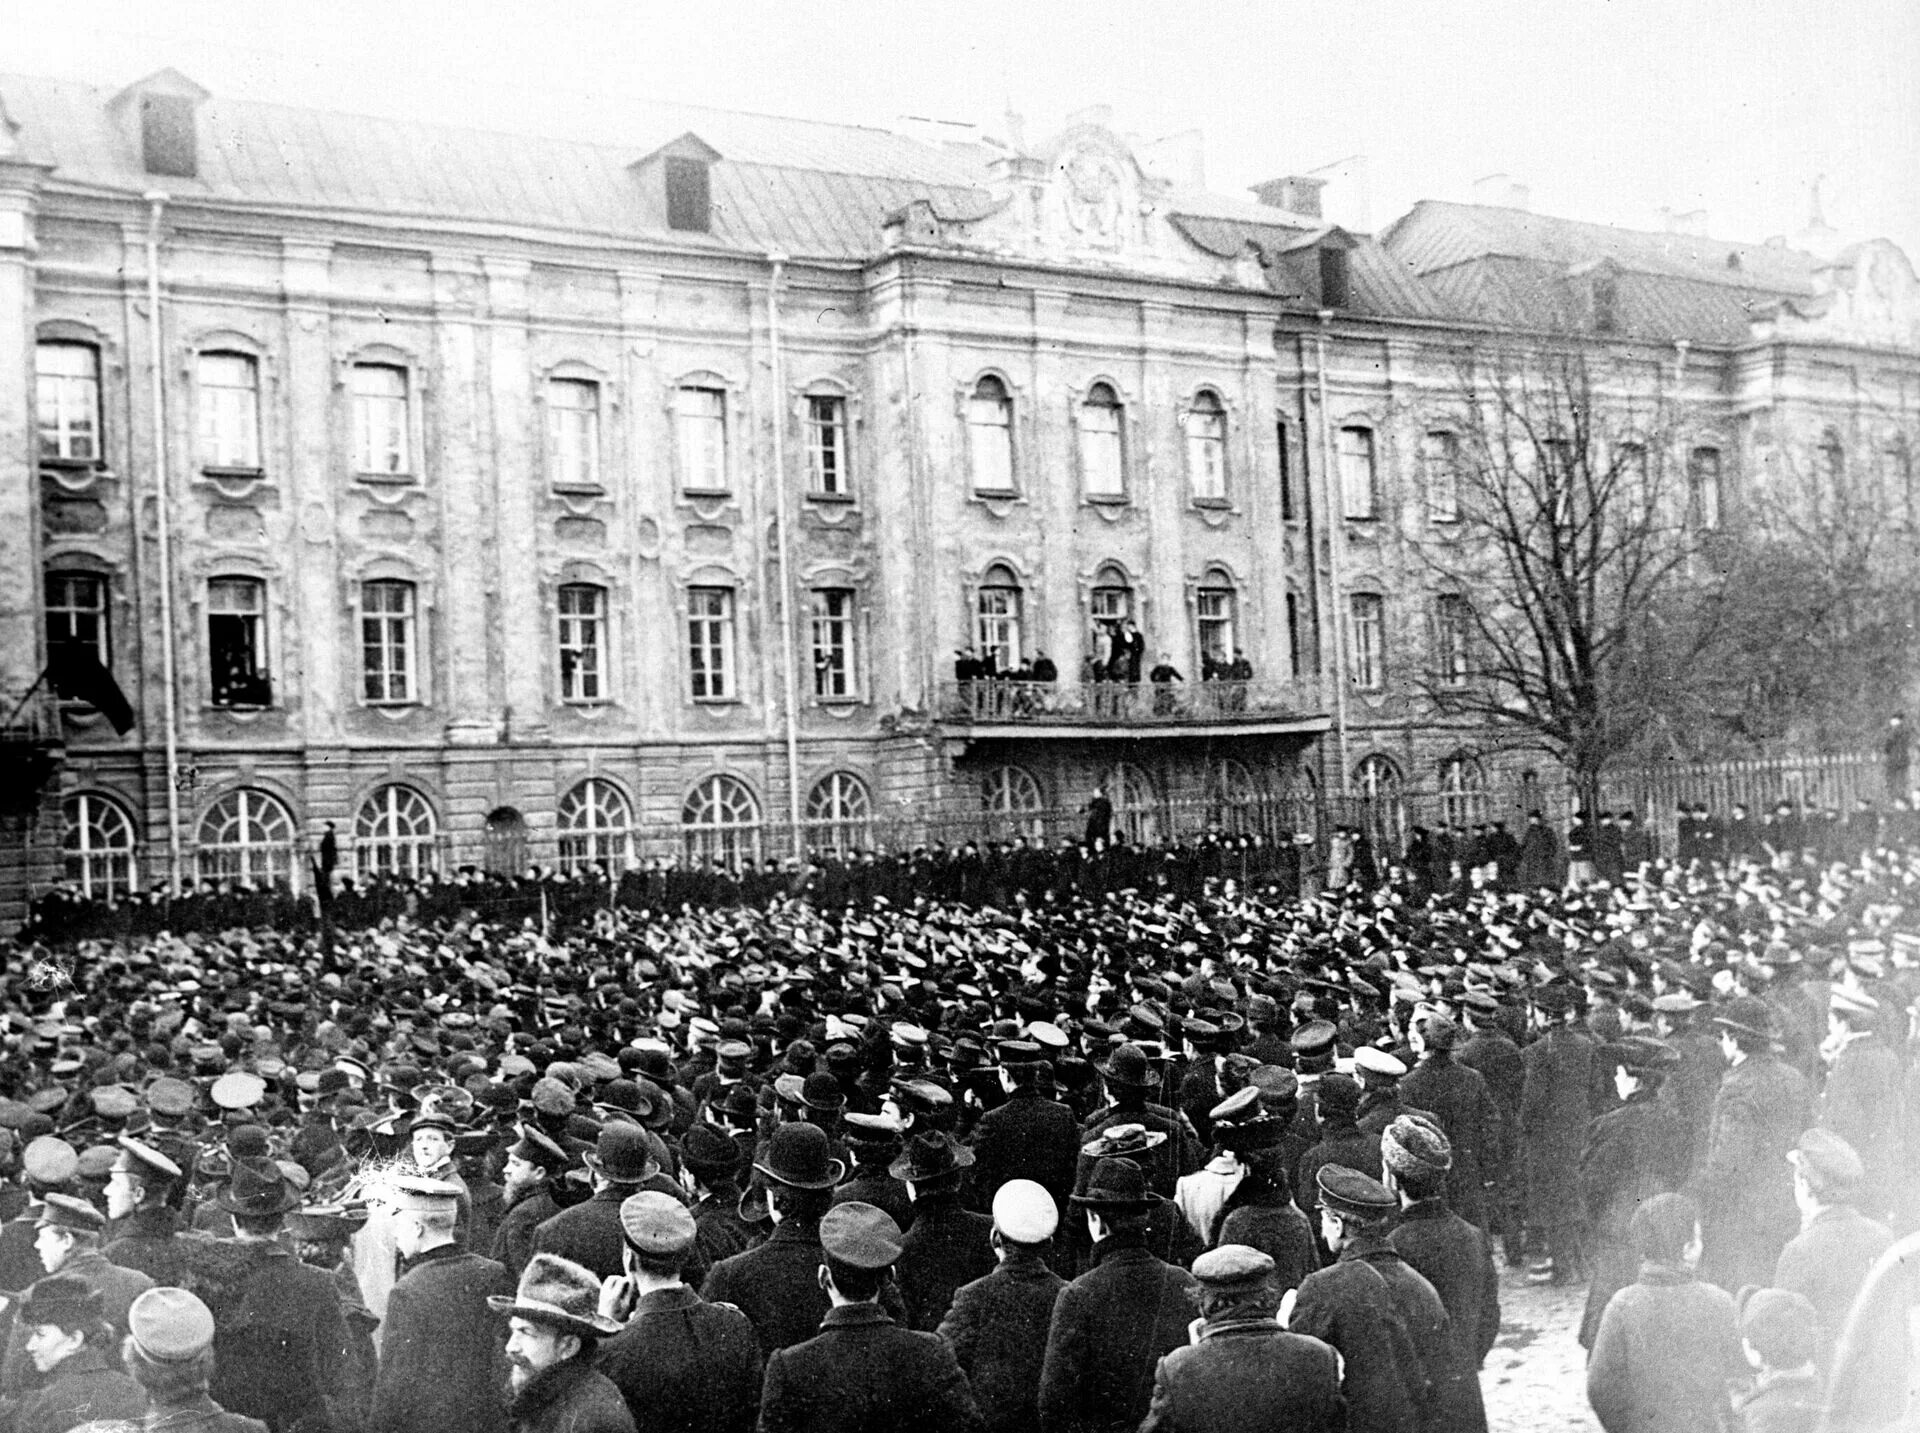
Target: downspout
pixel 1336 540
pixel 156 356
pixel 789 675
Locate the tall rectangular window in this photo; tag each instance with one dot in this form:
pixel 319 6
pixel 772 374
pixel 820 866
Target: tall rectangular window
pixel 1207 449
pixel 1453 621
pixel 67 402
pixel 1367 627
pixel 1440 474
pixel 237 642
pixel 77 614
pixel 1302 651
pixel 1292 509
pixel 1213 611
pixel 573 432
pixel 827 446
pixel 380 420
pixel 1102 462
pixel 710 643
pixel 831 614
pixel 990 436
pixel 583 643
pixel 387 642
pixel 700 428
pixel 1359 491
pixel 229 385
pixel 1703 489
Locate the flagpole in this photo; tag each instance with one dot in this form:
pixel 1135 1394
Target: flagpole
pixel 156 359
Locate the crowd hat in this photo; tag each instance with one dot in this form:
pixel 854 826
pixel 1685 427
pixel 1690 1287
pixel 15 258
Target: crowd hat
pixel 1828 1161
pixel 64 1301
pixel 558 1293
pixel 170 1325
pixel 930 1156
pixel 1381 1065
pixel 1024 1212
pixel 860 1236
pixel 63 1211
pixel 327 1223
pixel 169 1098
pixel 1128 1066
pixel 1123 1140
pixel 238 1090
pixel 535 1146
pixel 1781 1326
pixel 1348 1191
pixel 1119 1184
pixel 1313 1040
pixel 821 1091
pixel 1843 1001
pixel 872 1131
pixel 1749 1015
pixel 416 1194
pixel 800 1157
pixel 1233 1266
pixel 656 1224
pixel 50 1160
pixel 258 1188
pixel 137 1157
pixel 1640 1053
pixel 1414 1144
pixel 623 1154
pixel 709 1153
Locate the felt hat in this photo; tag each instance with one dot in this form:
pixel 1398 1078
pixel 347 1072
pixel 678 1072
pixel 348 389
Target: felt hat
pixel 1024 1212
pixel 64 1301
pixel 559 1293
pixel 708 1152
pixel 1749 1015
pixel 799 1156
pixel 1128 1066
pixel 1117 1183
pixel 1123 1140
pixel 860 1235
pixel 257 1187
pixel 623 1154
pixel 1782 1326
pixel 930 1156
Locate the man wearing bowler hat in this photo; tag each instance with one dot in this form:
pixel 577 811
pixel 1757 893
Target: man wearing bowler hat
pixel 947 1245
pixel 997 1325
pixel 442 1365
pixel 1243 1373
pixel 554 1328
pixel 623 1163
pixel 1131 1081
pixel 679 1361
pixel 861 1370
pixel 1384 1320
pixel 1114 1322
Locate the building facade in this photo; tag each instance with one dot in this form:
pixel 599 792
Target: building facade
pixel 494 499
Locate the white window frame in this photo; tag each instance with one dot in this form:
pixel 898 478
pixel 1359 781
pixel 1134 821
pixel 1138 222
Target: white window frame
pixel 834 643
pixel 1440 474
pixel 65 613
pixel 712 824
pixel 1703 486
pixel 395 832
pixel 829 450
pixel 700 438
pixel 573 431
pixel 711 619
pixel 1367 649
pixel 229 410
pixel 1102 421
pixel 999 617
pixel 67 411
pixel 1205 422
pixel 220 591
pixel 1215 611
pixel 253 812
pixel 992 454
pixel 1453 640
pixel 381 422
pixel 389 642
pixel 594 825
pixel 1356 453
pixel 101 864
pixel 582 644
pixel 839 813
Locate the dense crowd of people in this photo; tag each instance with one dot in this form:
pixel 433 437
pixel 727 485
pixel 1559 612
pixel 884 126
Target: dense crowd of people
pixel 1169 1147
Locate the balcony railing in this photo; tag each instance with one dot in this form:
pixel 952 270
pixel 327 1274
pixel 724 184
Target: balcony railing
pixel 996 702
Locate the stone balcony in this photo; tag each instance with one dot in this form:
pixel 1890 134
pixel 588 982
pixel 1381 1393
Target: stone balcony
pixel 1075 710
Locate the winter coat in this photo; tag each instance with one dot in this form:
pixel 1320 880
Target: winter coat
pixel 1828 1261
pixel 513 1236
pixel 997 1328
pixel 280 1337
pixel 1110 1327
pixel 1745 1185
pixel 1351 1306
pixel 1666 1349
pixel 685 1365
pixel 1028 1137
pixel 775 1284
pixel 1458 1098
pixel 1862 1103
pixel 947 1246
pixel 569 1397
pixel 86 1386
pixel 863 1373
pixel 443 1363
pixel 1247 1376
pixel 1632 1154
pixel 1553 1123
pixel 1457 1259
pixel 1273 1224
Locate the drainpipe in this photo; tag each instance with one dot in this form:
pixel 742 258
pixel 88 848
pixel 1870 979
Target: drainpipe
pixel 789 675
pixel 1336 541
pixel 156 357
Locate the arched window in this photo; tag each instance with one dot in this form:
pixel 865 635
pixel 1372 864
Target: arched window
pixel 1233 796
pixel 997 619
pixel 990 436
pixel 1215 608
pixel 1382 808
pixel 722 822
pixel 246 835
pixel 839 813
pixel 99 846
pixel 1206 423
pixel 394 833
pixel 505 842
pixel 1463 790
pixel 1136 805
pixel 1110 604
pixel 596 827
pixel 1011 793
pixel 1300 800
pixel 1102 459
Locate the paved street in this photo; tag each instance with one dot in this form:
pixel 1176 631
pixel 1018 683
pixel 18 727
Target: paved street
pixel 1535 1378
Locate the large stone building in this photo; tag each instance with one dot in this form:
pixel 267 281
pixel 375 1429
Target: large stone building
pixel 494 498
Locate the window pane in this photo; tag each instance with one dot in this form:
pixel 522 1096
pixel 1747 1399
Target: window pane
pixel 1214 610
pixel 1207 449
pixel 710 642
pixel 1703 488
pixel 827 445
pixel 380 418
pixel 229 411
pixel 386 641
pixel 1366 660
pixel 997 634
pixel 1455 631
pixel 77 613
pixel 247 836
pixel 573 432
pixel 67 401
pixel 701 425
pixel 832 617
pixel 990 438
pixel 1357 492
pixel 236 642
pixel 1439 457
pixel 1100 452
pixel 583 609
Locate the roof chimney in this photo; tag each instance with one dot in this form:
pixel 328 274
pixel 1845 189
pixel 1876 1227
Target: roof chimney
pixel 1502 191
pixel 1296 193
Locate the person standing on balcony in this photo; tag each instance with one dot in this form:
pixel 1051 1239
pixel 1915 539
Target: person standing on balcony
pixel 1163 676
pixel 1130 651
pixel 1240 673
pixel 1043 668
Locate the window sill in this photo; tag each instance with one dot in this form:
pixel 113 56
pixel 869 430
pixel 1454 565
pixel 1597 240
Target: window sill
pixel 387 480
pixel 1108 500
pixel 586 707
pixel 836 499
pixel 718 701
pixel 239 708
pixel 998 495
pixel 72 465
pixel 231 475
pixel 1214 504
pixel 839 702
pixel 707 495
pixel 580 490
pixel 394 707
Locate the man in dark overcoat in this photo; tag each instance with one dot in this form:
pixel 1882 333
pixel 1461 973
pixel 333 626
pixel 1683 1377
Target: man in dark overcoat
pixel 1454 1256
pixel 1457 1097
pixel 145 1226
pixel 862 1371
pixel 443 1365
pixel 1243 1372
pixel 534 1162
pixel 553 1333
pixel 1032 1136
pixel 997 1325
pixel 1829 1259
pixel 680 1362
pixel 1491 1050
pixel 622 1163
pixel 777 1284
pixel 947 1245
pixel 1554 1110
pixel 1113 1323
pixel 873 1143
pixel 1862 1099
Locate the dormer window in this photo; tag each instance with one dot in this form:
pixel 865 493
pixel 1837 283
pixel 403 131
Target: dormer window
pixel 167 141
pixel 689 199
pixel 1333 277
pixel 1606 302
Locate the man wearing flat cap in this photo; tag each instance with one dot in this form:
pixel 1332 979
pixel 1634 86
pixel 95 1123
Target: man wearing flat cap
pixel 997 1325
pixel 862 1371
pixel 535 1162
pixel 1862 1099
pixel 1386 1322
pixel 1829 1259
pixel 144 1225
pixel 1243 1373
pixel 169 1352
pixel 554 1328
pixel 1113 1322
pixel 442 1365
pixel 679 1361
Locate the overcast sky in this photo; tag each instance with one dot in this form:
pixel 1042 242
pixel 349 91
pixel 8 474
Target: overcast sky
pixel 1609 111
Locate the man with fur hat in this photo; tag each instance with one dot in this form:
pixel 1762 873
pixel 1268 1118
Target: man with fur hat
pixel 1243 1372
pixel 441 1361
pixel 679 1361
pixel 997 1325
pixel 554 1329
pixel 861 1370
pixel 534 1163
pixel 946 1245
pixel 72 1349
pixel 1454 1256
pixel 1114 1322
pixel 623 1163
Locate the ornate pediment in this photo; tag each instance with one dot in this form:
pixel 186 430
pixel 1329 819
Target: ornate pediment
pixel 1868 294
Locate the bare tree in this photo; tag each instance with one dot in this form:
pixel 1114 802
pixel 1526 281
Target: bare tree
pixel 1567 618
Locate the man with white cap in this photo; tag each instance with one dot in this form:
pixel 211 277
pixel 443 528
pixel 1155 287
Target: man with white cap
pixel 1829 1259
pixel 1861 1102
pixel 169 1352
pixel 442 1365
pixel 997 1325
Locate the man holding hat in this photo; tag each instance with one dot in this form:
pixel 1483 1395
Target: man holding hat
pixel 554 1328
pixel 1112 1323
pixel 441 1361
pixel 71 1347
pixel 997 1325
pixel 680 1362
pixel 1381 1317
pixel 1243 1372
pixel 862 1371
pixel 535 1162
